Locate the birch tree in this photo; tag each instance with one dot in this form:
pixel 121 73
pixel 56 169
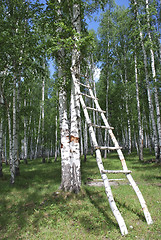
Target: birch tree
pixel 154 77
pixel 151 108
pixel 138 110
pixel 75 105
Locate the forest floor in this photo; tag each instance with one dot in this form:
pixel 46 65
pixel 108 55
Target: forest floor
pixel 35 208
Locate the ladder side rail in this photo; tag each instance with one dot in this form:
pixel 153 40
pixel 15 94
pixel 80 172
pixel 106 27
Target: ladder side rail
pixel 108 191
pixel 122 159
pixel 128 175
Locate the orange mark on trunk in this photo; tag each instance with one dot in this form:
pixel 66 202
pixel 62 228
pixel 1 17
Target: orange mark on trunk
pixel 74 139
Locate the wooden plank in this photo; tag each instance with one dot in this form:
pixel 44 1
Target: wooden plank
pixel 82 84
pixel 98 126
pixel 88 96
pixel 96 110
pixel 110 179
pixel 107 148
pixel 116 171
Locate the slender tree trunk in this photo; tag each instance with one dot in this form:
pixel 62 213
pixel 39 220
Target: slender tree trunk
pixel 25 136
pixel 10 146
pixel 151 109
pixel 127 105
pixel 15 166
pixel 85 141
pixel 139 112
pixel 81 139
pixel 43 115
pixel 155 80
pixel 56 138
pixel 38 135
pixel 5 146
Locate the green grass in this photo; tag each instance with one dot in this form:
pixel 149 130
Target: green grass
pixel 34 208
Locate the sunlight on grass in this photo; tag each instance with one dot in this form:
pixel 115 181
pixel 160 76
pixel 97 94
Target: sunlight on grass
pixel 35 208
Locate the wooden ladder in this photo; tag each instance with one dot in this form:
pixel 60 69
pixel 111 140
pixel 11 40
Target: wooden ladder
pixel 116 147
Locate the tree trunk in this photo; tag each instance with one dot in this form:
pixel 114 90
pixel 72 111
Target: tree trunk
pixel 151 109
pixel 56 138
pixel 139 113
pixel 38 135
pixel 127 105
pixel 75 105
pixel 15 166
pixel 64 131
pixel 85 141
pixel 155 80
pixel 5 146
pixel 43 115
pixel 25 136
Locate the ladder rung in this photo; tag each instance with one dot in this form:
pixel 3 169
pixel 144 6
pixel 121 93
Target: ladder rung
pixel 98 126
pixel 110 180
pixel 88 96
pixel 107 148
pixel 94 109
pixel 116 171
pixel 82 84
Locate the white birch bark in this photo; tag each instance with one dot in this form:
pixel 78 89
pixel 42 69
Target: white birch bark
pixel 151 109
pixel 139 112
pixel 10 146
pixel 43 116
pixel 64 123
pixel 81 140
pixel 85 141
pixel 25 136
pixel 14 137
pixel 155 79
pixel 5 146
pixel 75 105
pixel 64 131
pixel 127 105
pixel 38 135
pixel 56 138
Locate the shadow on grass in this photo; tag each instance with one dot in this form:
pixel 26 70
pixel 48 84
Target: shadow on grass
pixel 19 201
pixel 96 201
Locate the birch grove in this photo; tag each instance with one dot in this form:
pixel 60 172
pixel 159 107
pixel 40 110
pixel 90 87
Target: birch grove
pixel 127 55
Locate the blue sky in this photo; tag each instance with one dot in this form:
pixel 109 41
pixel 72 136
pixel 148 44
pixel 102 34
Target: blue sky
pixel 95 24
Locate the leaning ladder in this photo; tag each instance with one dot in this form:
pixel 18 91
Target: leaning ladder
pixel 116 147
